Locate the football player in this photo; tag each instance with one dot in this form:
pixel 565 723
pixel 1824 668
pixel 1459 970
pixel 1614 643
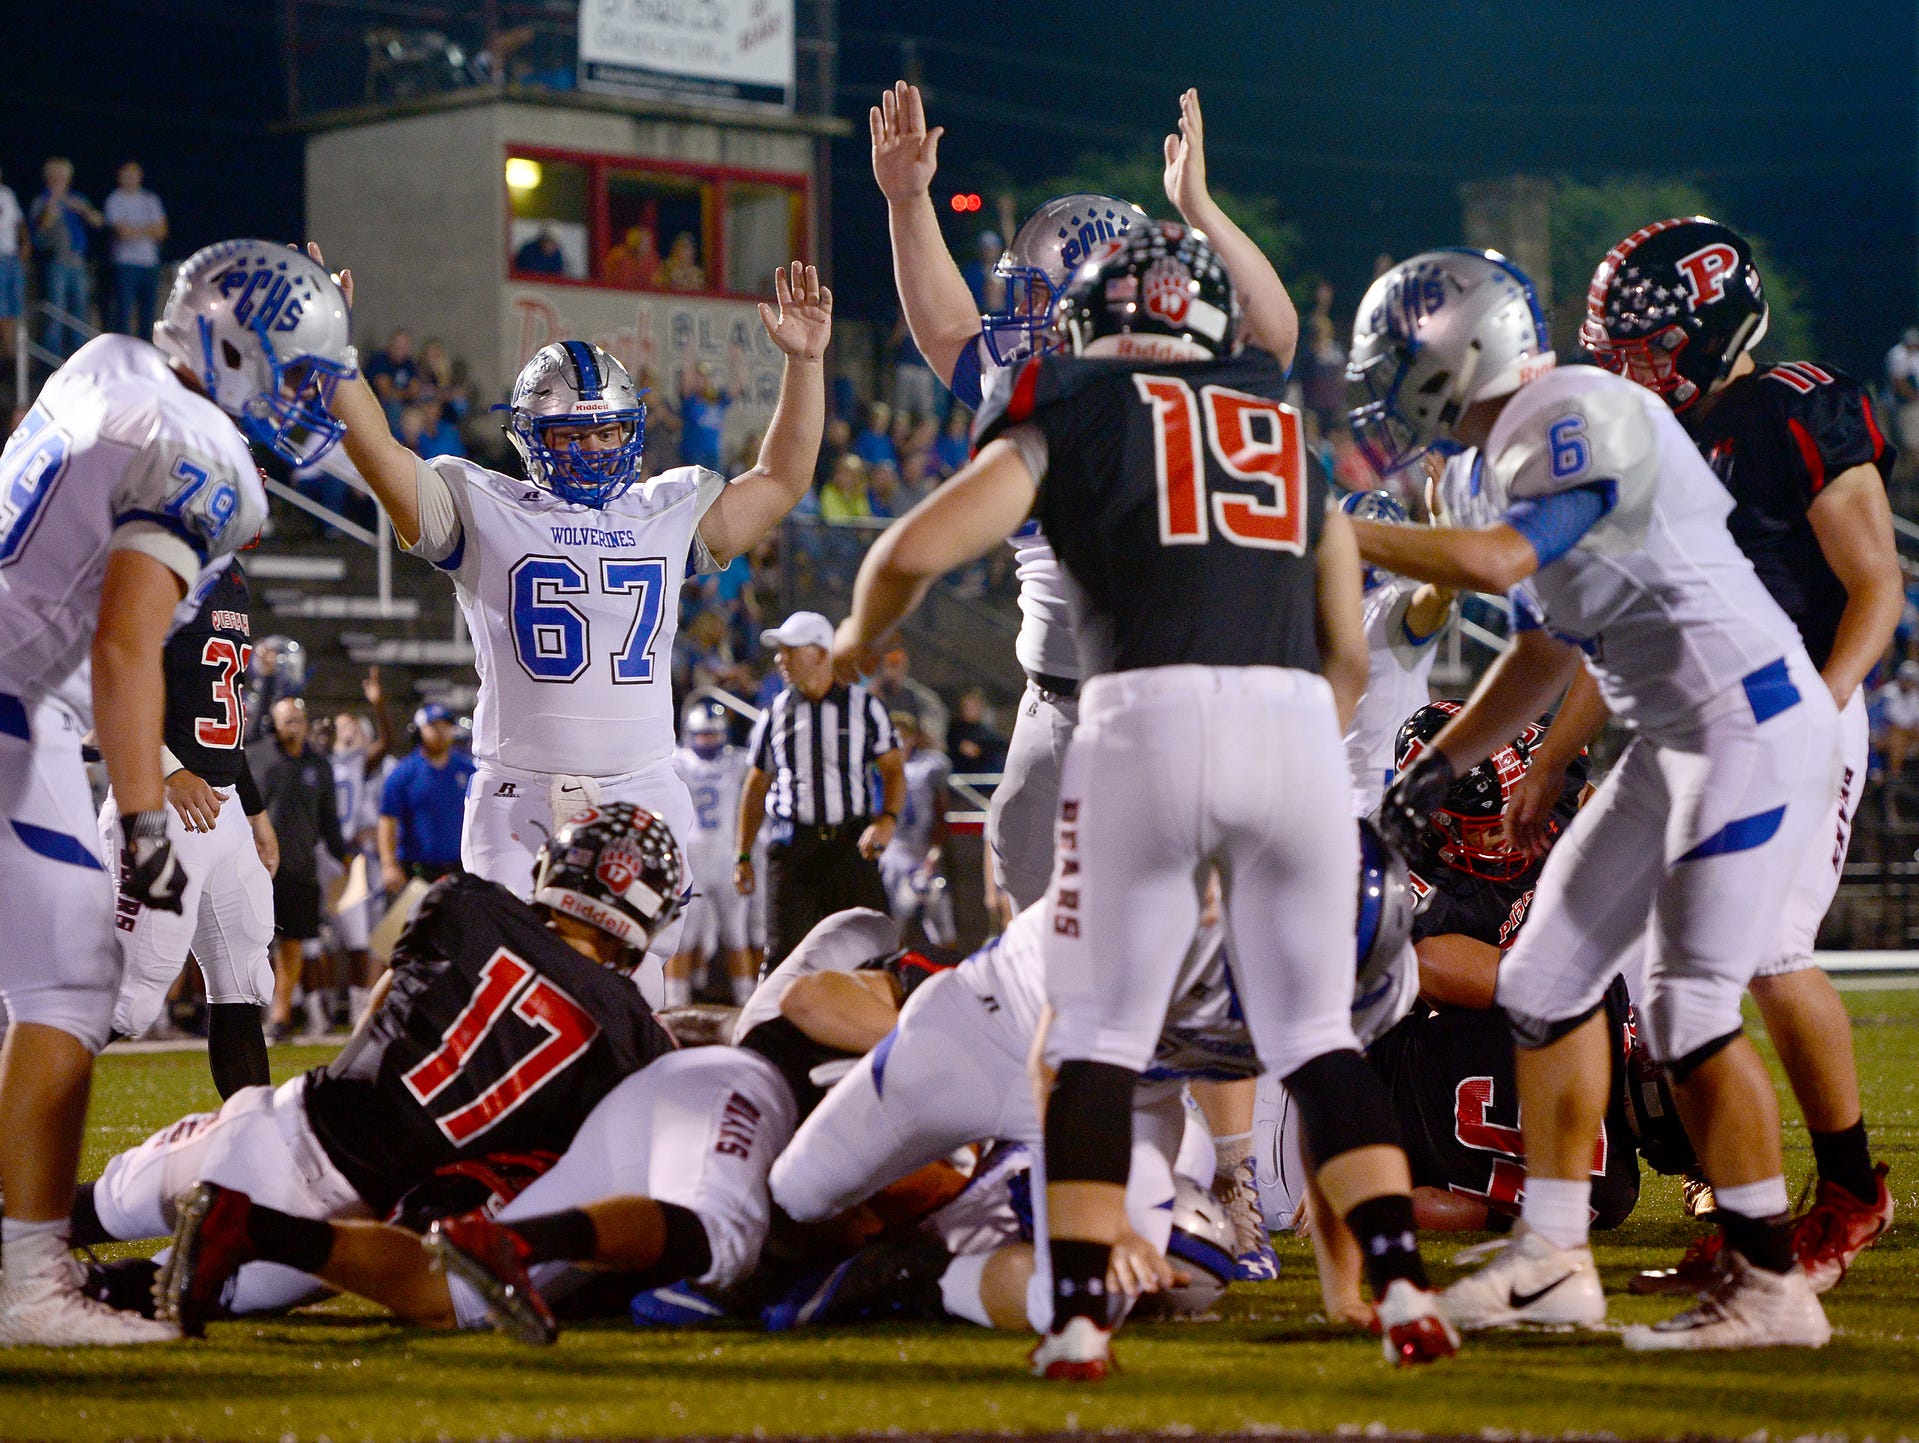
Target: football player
pixel 1678 307
pixel 362 761
pixel 499 1026
pixel 1608 531
pixel 911 866
pixel 665 1180
pixel 1404 620
pixel 1217 593
pixel 974 354
pixel 714 772
pixel 218 827
pixel 123 491
pixel 568 579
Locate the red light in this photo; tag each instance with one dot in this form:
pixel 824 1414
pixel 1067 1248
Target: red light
pixel 959 203
pixel 972 202
pixel 965 201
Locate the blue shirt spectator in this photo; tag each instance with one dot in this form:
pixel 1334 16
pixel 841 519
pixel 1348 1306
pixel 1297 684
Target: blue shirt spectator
pixel 139 223
pixel 541 256
pixel 61 218
pixel 704 403
pixel 874 444
pixel 423 803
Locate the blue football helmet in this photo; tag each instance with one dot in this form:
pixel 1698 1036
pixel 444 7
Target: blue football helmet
pixel 1433 335
pixel 266 332
pixel 1374 506
pixel 576 384
pixel 1054 242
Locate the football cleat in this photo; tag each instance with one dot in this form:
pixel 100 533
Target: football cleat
pixel 1254 1260
pixel 1081 1352
pixel 880 1281
pixel 1697 1196
pixel 491 1259
pixel 1530 1283
pixel 1412 1328
pixel 677 1305
pixel 124 1283
pixel 210 1244
pixel 1747 1307
pixel 43 1306
pixel 1694 1273
pixel 1838 1228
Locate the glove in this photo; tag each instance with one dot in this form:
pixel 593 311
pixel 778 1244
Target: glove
pixel 1412 799
pixel 152 876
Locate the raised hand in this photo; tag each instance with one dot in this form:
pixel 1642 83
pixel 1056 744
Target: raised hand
pixel 802 323
pixel 343 278
pixel 905 152
pixel 1185 176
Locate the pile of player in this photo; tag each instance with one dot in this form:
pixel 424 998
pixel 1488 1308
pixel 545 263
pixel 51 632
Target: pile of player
pixel 1214 674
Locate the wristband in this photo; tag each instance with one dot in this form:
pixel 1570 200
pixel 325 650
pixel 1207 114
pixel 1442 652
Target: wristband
pixel 145 826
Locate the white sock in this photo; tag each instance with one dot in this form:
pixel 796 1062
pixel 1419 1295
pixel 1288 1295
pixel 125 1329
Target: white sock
pixel 743 988
pixel 1229 1152
pixel 26 1248
pixel 1558 1209
pixel 316 1011
pixel 1764 1199
pixel 679 991
pixel 960 1288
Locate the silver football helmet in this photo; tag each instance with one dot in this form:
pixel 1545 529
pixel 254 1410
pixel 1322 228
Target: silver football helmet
pixel 266 331
pixel 1052 243
pixel 1380 506
pixel 1433 335
pixel 576 385
pixel 1203 1240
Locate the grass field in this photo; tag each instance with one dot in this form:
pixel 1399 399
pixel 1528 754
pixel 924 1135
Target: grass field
pixel 338 1373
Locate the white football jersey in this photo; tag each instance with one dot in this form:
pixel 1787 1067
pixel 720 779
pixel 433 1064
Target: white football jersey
pixel 1045 642
pixel 356 796
pixel 715 783
pixel 844 942
pixel 1398 683
pixel 1666 608
pixel 926 773
pixel 117 454
pixel 573 610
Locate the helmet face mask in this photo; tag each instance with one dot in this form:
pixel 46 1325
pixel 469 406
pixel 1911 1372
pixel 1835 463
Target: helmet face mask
pixel 568 391
pixel 1048 248
pixel 264 330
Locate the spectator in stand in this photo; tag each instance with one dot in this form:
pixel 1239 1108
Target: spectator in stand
pixel 14 248
pixel 423 804
pixel 541 256
pixel 296 782
pixel 61 219
pixel 394 373
pixel 632 264
pixel 1898 703
pixel 1902 373
pixel 915 388
pixel 874 444
pixel 978 272
pixel 704 403
pixel 953 447
pixel 277 669
pixel 427 432
pixel 139 224
pixel 1323 387
pixel 708 657
pixel 443 383
pixel 681 270
pixel 836 443
pixel 897 690
pixel 846 497
pixel 885 495
pixel 971 741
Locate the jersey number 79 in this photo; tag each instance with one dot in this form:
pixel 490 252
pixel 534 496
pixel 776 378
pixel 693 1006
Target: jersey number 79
pixel 1250 438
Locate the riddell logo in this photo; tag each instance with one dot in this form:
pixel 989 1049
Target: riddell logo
pixel 1706 271
pixel 1169 291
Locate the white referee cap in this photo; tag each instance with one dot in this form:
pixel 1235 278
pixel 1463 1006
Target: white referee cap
pixel 802 628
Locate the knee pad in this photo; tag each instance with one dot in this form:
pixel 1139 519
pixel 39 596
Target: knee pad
pixel 1532 1033
pixel 1342 1105
pixel 1681 1068
pixel 1089 1123
pixel 1690 1015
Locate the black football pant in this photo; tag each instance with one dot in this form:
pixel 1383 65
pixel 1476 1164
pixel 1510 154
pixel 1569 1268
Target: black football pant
pixel 819 872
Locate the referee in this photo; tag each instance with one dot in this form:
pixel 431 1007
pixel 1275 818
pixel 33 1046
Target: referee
pixel 814 750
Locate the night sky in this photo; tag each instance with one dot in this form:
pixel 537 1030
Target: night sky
pixel 1361 120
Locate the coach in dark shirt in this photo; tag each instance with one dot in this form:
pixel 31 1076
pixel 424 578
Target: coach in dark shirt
pixel 814 751
pixel 296 783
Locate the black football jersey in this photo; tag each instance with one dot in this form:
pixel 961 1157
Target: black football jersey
pixel 206 668
pixel 1453 903
pixel 1450 1074
pixel 495 1036
pixel 1180 499
pixel 1775 437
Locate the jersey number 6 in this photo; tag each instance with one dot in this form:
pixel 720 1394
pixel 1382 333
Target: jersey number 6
pixel 1251 439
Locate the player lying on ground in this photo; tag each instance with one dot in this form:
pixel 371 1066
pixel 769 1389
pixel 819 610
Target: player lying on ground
pixel 569 579
pixel 1608 530
pixel 666 1178
pixel 1221 605
pixel 1800 450
pixel 126 489
pixel 500 1025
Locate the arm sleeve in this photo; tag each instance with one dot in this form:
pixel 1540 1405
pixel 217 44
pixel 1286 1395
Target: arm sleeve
pixel 759 748
pixel 1032 446
pixel 700 561
pixel 1554 524
pixel 442 532
pixel 884 738
pixel 251 802
pixel 330 835
pixel 165 546
pixel 967 383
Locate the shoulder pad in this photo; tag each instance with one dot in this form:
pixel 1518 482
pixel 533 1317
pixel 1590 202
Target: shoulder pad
pixel 1830 417
pixel 1012 404
pixel 1581 427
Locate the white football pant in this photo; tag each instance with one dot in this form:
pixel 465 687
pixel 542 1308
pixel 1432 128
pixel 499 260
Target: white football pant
pixel 1025 804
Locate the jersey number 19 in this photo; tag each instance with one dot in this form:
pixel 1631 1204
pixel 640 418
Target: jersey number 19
pixel 1252 439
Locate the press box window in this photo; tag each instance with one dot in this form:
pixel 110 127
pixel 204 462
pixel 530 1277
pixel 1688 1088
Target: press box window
pixel 764 230
pixel 549 232
pixel 659 228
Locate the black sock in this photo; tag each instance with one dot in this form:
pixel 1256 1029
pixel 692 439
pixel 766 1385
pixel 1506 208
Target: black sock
pixel 1844 1158
pixel 1079 1281
pixel 566 1237
pixel 236 1047
pixel 83 1223
pixel 684 1251
pixel 1388 1241
pixel 303 1243
pixel 1764 1242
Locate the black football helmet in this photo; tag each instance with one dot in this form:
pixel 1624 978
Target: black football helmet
pixel 1158 281
pixel 615 867
pixel 1672 306
pixel 1652 1111
pixel 1466 832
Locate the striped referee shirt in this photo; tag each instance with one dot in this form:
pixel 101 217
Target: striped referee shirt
pixel 820 754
